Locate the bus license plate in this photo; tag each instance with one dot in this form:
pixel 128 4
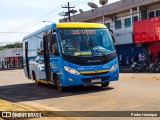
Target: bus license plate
pixel 96 80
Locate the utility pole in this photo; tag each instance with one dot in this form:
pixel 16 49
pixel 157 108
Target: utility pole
pixel 69 12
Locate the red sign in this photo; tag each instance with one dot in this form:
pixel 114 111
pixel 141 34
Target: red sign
pixel 147 30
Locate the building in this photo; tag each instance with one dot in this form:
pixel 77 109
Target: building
pixel 149 34
pixel 11 58
pixel 121 17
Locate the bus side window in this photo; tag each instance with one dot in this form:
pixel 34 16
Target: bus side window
pixel 53 44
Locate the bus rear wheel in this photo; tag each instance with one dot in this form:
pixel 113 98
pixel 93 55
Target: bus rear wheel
pixel 106 84
pixel 36 81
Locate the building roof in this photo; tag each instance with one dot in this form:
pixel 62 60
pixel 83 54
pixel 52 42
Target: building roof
pixel 111 9
pixel 12 52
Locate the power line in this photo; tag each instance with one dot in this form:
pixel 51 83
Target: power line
pixel 58 8
pixel 28 25
pixel 43 16
pixel 15 32
pixel 35 21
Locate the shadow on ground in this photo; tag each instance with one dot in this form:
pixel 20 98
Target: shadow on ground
pixel 29 92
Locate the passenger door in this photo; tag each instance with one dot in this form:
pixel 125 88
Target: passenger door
pixel 50 52
pixel 27 61
pixel 46 58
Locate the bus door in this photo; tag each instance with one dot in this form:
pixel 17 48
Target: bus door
pixel 27 61
pixel 50 50
pixel 46 57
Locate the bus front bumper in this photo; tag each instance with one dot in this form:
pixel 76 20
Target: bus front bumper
pixel 72 80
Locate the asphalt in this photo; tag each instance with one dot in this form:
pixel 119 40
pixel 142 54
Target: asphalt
pixel 133 92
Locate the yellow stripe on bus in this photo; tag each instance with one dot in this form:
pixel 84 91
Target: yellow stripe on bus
pixel 90 72
pixel 45 82
pixel 80 25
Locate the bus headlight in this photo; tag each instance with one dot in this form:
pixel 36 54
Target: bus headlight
pixel 114 67
pixel 71 70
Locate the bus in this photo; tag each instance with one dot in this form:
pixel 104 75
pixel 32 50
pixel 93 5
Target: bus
pixel 70 54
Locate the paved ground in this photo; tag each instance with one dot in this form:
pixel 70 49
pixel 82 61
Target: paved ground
pixel 131 93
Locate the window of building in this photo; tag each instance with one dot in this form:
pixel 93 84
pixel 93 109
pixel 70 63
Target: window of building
pixel 108 25
pixel 151 14
pixel 128 22
pixel 135 18
pixel 158 13
pixel 5 62
pixel 118 24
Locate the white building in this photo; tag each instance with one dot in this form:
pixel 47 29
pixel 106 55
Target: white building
pixel 11 58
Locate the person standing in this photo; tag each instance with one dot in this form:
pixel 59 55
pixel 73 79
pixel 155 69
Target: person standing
pixel 150 57
pixel 127 60
pixel 120 59
pixel 158 57
pixel 143 56
pixel 140 57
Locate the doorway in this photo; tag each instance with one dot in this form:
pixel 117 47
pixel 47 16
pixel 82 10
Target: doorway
pixel 27 61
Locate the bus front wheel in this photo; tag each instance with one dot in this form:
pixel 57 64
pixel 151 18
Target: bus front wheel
pixel 106 84
pixel 60 87
pixel 57 83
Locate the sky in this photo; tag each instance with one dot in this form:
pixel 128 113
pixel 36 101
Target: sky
pixel 21 17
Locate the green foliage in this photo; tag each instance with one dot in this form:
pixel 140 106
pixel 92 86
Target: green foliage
pixel 8 46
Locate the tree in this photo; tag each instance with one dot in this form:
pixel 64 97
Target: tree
pixel 8 46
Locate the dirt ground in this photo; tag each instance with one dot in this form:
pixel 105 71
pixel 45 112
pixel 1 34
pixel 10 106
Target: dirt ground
pixel 133 92
pixel 9 106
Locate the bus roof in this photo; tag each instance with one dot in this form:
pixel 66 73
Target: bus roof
pixel 68 25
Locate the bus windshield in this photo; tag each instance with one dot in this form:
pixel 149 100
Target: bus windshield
pixel 86 42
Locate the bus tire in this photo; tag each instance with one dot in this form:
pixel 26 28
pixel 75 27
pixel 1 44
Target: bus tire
pixel 106 84
pixel 60 87
pixel 35 79
pixel 57 83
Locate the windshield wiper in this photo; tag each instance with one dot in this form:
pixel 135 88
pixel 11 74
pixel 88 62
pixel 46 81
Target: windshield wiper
pixel 106 55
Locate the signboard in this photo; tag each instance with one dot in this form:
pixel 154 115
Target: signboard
pixel 17 51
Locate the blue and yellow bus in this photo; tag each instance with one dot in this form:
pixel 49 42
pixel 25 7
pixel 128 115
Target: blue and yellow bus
pixel 70 54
